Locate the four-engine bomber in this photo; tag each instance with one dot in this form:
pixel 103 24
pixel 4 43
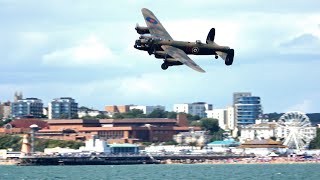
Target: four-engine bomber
pixel 156 40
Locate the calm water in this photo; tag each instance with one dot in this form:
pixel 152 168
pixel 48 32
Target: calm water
pixel 164 172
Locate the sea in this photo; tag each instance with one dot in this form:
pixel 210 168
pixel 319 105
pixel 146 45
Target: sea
pixel 164 172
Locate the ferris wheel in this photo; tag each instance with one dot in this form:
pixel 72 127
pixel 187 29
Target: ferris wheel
pixel 295 127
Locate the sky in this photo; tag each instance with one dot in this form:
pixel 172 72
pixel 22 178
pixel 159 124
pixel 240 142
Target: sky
pixel 84 50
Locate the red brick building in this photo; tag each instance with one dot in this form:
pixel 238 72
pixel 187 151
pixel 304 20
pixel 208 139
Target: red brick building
pixel 117 130
pixel 117 109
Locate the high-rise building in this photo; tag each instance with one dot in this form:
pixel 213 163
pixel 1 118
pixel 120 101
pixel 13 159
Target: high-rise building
pixel 27 107
pixel 63 108
pixel 238 95
pixel 247 109
pixel 197 108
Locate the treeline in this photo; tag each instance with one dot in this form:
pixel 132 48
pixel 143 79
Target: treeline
pixel 15 142
pixel 137 113
pixel 315 143
pixel 314 117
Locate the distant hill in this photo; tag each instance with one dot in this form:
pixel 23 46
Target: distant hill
pixel 314 117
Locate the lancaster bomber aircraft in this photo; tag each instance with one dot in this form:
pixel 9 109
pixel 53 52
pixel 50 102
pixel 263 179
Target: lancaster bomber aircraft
pixel 156 40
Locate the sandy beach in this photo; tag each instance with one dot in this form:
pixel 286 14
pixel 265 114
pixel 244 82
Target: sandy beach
pixel 257 160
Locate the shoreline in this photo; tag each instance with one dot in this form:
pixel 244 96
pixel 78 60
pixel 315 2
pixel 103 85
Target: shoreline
pixel 243 161
pixel 278 160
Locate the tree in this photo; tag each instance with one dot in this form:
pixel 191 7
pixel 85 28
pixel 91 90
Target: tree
pixel 315 143
pixel 157 113
pixel 172 115
pixel 217 136
pixel 210 124
pixel 134 113
pixel 102 116
pixel 196 123
pixel 118 116
pixel 4 121
pixel 88 117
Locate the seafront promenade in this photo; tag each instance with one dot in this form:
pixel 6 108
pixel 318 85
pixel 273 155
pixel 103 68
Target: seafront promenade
pixel 147 159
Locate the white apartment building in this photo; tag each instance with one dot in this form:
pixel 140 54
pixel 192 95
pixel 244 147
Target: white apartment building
pixel 147 109
pixel 225 117
pixel 197 108
pixel 231 120
pixel 258 131
pixel 199 137
pixel 220 115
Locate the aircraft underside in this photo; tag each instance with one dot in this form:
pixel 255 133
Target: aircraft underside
pixel 157 41
pixel 155 49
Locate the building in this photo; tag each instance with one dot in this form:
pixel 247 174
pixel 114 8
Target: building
pixel 258 131
pixel 238 95
pixel 17 96
pixel 231 120
pixel 247 108
pixel 27 107
pixel 262 147
pixel 96 145
pixel 222 146
pixel 200 138
pixel 220 115
pixel 197 108
pixel 147 109
pixel 224 116
pixel 22 126
pixel 117 130
pixel 84 111
pixel 5 110
pixel 63 108
pixel 117 109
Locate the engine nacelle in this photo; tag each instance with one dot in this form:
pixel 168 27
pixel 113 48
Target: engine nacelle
pixel 160 55
pixel 142 30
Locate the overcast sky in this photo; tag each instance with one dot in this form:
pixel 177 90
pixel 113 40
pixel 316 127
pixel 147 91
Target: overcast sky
pixel 84 49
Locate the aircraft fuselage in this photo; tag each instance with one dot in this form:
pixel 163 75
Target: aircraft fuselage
pixel 196 48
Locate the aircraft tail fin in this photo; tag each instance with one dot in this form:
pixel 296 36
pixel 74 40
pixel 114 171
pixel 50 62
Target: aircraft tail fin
pixel 210 37
pixel 227 56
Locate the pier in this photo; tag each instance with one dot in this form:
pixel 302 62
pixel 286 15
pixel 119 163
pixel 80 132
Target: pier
pixel 119 159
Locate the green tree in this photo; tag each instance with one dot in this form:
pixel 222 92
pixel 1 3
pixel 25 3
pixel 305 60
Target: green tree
pixel 315 143
pixel 15 142
pixel 210 124
pixel 157 113
pixel 217 135
pixel 88 117
pixel 118 116
pixel 171 115
pixel 102 116
pixel 195 123
pixel 5 121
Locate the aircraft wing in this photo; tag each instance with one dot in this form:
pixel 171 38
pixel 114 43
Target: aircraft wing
pixel 181 56
pixel 155 27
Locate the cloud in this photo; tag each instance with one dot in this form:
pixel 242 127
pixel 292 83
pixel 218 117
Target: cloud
pixel 91 51
pixel 304 106
pixel 303 44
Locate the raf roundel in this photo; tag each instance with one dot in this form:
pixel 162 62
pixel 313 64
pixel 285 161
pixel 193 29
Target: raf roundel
pixel 151 20
pixel 195 50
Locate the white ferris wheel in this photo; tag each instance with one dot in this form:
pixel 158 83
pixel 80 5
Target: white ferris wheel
pixel 295 128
